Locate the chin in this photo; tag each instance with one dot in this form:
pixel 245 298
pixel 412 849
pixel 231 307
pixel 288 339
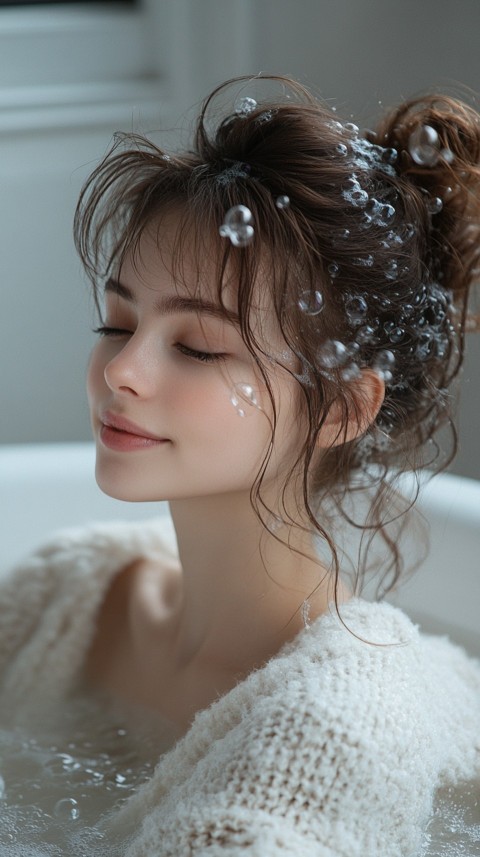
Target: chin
pixel 113 483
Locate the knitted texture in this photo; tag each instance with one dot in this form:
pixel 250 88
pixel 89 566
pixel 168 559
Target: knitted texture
pixel 333 748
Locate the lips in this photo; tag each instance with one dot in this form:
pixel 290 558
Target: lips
pixel 122 424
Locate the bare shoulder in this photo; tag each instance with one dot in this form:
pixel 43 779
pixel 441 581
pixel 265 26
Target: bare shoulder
pixel 143 595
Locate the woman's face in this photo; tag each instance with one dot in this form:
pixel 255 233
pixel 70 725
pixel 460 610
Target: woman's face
pixel 172 368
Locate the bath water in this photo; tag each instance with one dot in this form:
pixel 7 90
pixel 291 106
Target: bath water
pixel 454 828
pixel 66 774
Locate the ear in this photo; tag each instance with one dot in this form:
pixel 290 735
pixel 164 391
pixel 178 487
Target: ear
pixel 365 396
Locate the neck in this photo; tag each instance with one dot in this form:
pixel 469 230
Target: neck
pixel 242 589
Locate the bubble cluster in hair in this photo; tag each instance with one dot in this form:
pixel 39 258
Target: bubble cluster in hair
pixel 370 252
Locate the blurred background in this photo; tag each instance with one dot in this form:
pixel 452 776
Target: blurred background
pixel 73 74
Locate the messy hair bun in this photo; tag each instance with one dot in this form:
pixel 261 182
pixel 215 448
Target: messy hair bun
pixel 371 241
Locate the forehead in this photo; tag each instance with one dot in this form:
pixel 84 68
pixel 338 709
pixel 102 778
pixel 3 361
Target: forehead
pixel 174 257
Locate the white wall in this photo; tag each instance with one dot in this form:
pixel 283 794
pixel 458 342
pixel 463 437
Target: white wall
pixel 70 77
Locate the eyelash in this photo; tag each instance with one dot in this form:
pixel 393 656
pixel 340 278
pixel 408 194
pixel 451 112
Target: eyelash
pixel 200 356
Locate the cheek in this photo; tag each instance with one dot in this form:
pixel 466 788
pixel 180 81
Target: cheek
pixel 95 379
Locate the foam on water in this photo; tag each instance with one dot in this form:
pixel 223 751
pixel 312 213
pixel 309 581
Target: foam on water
pixel 62 778
pixel 454 827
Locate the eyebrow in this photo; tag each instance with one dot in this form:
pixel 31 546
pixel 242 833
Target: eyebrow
pixel 172 304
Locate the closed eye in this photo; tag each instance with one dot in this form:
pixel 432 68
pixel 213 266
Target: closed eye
pixel 201 356
pixel 111 331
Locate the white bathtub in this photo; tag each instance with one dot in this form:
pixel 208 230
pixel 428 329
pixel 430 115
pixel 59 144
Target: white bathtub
pixel 45 487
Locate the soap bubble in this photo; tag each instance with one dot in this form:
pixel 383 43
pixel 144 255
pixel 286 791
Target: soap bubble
pixel 341 149
pixel 355 194
pixel 311 302
pixel 379 213
pixel 434 205
pixel 424 146
pixel 356 309
pixel 67 809
pixel 282 201
pixel 238 226
pixel 333 354
pixel 333 269
pixel 351 128
pixel 244 398
pixel 244 106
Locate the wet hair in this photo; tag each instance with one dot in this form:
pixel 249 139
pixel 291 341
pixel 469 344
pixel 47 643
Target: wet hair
pixel 371 241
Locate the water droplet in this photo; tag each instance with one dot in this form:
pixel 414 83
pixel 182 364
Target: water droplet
pixel 442 346
pixel 407 311
pixel 244 106
pixel 383 365
pixel 391 272
pixel 244 398
pixel 387 419
pixel 365 335
pixel 266 116
pixel 364 261
pixel 311 302
pixel 356 309
pixel 274 523
pixel 67 809
pixel 424 146
pixel 396 334
pixel 434 204
pixel 392 239
pixel 341 149
pixel 333 354
pixel 447 156
pixel 351 373
pixel 425 346
pixel 282 201
pixel 389 156
pixel 238 226
pixel 333 269
pixel 335 126
pixel 340 235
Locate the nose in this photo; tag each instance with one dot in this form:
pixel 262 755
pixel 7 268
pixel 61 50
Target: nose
pixel 132 370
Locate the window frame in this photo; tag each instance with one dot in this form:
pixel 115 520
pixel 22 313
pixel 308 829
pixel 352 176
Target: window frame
pixel 40 88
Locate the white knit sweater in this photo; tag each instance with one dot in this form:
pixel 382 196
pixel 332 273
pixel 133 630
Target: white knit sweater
pixel 332 749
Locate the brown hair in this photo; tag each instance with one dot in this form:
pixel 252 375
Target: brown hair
pixel 384 225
